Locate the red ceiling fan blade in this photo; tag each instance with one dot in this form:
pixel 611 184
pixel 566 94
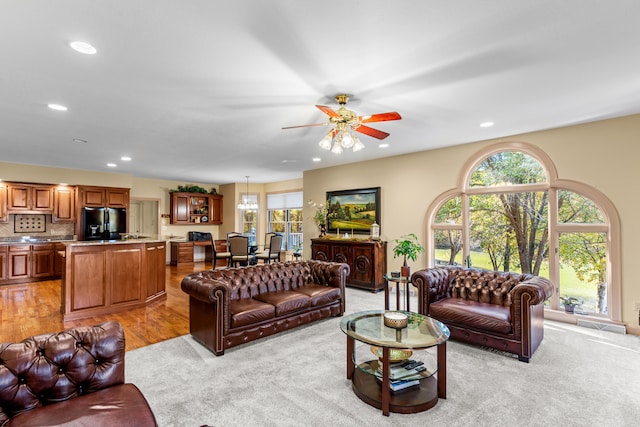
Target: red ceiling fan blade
pixel 382 117
pixel 329 111
pixel 304 126
pixel 371 132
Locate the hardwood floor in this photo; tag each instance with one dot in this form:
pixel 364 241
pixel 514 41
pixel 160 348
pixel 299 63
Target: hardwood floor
pixel 34 308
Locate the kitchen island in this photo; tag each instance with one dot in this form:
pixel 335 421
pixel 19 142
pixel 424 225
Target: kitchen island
pixel 106 276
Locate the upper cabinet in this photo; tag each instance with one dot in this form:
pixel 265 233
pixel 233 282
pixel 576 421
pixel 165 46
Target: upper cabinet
pixel 64 204
pixel 29 198
pixel 4 216
pixel 196 208
pixel 111 197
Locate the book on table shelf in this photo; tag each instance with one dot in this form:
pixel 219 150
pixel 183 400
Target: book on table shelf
pixel 402 384
pixel 397 371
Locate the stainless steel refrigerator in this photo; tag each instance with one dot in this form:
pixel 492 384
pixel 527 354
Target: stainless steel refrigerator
pixel 104 223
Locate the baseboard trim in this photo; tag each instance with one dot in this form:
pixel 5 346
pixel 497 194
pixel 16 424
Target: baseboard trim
pixel 609 327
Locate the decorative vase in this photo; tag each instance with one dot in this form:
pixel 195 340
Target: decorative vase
pixel 323 230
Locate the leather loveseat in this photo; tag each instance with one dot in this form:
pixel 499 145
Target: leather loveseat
pixel 229 307
pixel 74 377
pixel 500 310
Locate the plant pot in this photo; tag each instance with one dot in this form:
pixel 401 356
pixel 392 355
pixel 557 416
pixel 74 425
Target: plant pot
pixel 569 308
pixel 405 271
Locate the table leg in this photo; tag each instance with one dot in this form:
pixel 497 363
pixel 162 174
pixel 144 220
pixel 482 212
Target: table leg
pixel 386 296
pixel 397 295
pixel 386 392
pixel 407 292
pixel 350 364
pixel 442 370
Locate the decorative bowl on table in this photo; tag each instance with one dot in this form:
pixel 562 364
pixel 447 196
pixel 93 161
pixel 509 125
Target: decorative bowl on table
pixel 395 319
pixel 395 354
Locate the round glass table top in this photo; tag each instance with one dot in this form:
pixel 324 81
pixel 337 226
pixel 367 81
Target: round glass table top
pixel 368 327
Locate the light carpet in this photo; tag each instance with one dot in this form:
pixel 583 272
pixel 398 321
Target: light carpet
pixel 577 377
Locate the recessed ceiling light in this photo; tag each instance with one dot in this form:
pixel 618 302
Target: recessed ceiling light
pixel 486 124
pixel 383 145
pixel 125 158
pixel 112 165
pixel 57 107
pixel 316 159
pixel 83 141
pixel 83 47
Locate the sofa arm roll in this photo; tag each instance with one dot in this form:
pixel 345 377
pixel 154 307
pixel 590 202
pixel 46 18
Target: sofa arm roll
pixel 539 289
pixel 330 273
pixel 204 288
pixel 434 283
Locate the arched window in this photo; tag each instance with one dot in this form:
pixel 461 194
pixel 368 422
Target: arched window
pixel 510 212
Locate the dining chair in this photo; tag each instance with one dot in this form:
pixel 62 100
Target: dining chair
pixel 239 248
pixel 219 255
pixel 275 247
pixel 267 241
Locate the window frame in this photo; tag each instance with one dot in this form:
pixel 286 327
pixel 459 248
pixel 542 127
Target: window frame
pixel 611 225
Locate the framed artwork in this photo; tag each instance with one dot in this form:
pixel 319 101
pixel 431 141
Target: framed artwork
pixel 353 210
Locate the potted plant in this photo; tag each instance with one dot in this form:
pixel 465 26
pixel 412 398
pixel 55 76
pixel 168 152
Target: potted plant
pixel 570 303
pixel 407 246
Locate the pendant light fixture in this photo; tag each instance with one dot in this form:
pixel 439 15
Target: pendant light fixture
pixel 246 204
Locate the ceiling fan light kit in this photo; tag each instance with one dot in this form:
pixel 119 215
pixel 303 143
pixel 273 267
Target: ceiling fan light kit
pixel 342 137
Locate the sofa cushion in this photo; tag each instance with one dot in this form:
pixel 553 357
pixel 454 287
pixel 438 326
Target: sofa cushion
pixel 248 311
pixel 472 314
pixel 120 405
pixel 319 294
pixel 285 301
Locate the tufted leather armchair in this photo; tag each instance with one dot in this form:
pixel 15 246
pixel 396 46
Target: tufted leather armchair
pixel 501 310
pixel 74 377
pixel 229 307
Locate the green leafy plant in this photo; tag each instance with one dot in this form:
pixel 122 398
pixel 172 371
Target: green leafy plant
pixel 407 246
pixel 189 188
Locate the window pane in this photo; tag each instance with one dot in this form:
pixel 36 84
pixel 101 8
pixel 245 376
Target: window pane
pixel 277 215
pixel 575 208
pixel 509 232
pixel 508 168
pixel 583 263
pixel 450 212
pixel 448 247
pixel 295 215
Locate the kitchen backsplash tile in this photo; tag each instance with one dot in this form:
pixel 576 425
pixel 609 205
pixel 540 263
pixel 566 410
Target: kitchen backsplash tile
pixel 51 229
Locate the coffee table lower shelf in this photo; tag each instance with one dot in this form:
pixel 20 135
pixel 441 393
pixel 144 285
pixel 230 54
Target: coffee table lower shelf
pixel 409 401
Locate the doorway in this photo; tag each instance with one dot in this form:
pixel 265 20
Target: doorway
pixel 143 217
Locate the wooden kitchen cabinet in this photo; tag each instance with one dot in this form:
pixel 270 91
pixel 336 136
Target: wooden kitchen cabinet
pixel 155 260
pixel 4 215
pixel 98 197
pixel 367 260
pixel 42 260
pixel 4 274
pixel 29 198
pixel 196 208
pixel 19 265
pixel 181 253
pixel 64 204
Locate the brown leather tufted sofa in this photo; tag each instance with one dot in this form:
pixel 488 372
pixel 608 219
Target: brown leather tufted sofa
pixel 501 310
pixel 229 307
pixel 74 377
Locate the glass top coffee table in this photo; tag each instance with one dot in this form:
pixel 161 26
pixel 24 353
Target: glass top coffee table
pixel 394 381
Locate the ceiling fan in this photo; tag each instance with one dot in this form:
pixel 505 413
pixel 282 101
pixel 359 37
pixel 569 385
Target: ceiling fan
pixel 344 122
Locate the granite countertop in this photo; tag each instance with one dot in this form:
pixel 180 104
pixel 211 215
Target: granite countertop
pixel 27 240
pixel 112 242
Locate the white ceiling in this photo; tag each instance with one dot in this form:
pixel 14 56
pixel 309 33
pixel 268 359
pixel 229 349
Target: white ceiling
pixel 198 90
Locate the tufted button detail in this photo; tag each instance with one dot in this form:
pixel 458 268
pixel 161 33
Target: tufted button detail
pixel 97 361
pixel 78 343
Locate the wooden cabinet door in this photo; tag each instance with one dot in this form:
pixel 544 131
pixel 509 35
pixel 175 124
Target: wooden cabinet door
pixel 42 260
pixel 320 251
pixel 19 196
pixel 362 265
pixel 58 259
pixel 180 203
pixel 126 274
pixel 19 265
pixel 4 274
pixel 117 198
pixel 64 205
pixel 341 253
pixel 155 268
pixel 42 198
pixel 4 215
pixel 93 197
pixel 215 209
